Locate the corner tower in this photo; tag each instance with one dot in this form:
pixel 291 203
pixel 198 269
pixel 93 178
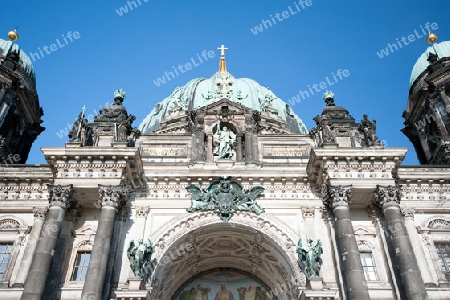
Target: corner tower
pixel 20 112
pixel 427 123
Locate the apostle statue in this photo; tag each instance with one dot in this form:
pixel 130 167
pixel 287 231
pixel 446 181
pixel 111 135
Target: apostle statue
pixel 224 141
pixel 139 255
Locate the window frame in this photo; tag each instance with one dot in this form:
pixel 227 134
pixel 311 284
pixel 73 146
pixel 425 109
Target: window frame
pixel 377 277
pixel 83 266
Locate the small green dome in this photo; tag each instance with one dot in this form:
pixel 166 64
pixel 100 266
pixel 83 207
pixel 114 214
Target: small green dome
pixel 25 62
pixel 201 92
pixel 442 49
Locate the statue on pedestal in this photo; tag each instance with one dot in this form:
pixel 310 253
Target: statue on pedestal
pixel 139 255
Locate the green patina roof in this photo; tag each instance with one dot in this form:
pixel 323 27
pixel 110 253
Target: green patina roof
pixel 25 62
pixel 201 92
pixel 442 49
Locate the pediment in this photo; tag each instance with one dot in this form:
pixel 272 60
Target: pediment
pixel 231 106
pixel 360 230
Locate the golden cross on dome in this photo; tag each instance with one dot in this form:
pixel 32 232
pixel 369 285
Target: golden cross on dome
pixel 222 64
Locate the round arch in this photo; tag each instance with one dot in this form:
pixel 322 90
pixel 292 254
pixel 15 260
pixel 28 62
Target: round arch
pixel 250 243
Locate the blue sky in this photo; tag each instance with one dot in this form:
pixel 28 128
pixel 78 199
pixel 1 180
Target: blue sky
pixel 130 50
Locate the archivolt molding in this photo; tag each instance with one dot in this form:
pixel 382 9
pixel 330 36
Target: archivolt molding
pixel 8 223
pixel 438 222
pixel 165 237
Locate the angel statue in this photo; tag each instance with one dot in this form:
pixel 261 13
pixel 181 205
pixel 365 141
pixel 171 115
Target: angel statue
pixel 139 255
pixel 309 257
pixel 224 140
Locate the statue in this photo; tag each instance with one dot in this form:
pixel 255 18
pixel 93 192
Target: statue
pixel 116 112
pixel 309 257
pixel 266 104
pixel 368 129
pixel 326 131
pixel 79 130
pixel 139 255
pixel 225 196
pixel 224 140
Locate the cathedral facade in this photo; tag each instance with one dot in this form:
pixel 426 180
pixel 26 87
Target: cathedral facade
pixel 222 193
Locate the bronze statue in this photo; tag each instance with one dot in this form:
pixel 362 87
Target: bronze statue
pixel 139 255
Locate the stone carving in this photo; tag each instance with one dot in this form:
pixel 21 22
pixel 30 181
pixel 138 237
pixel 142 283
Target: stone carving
pixel 338 195
pixel 309 257
pixel 225 196
pixel 80 129
pixel 439 224
pixel 61 195
pixel 325 130
pixel 40 212
pixel 113 196
pixel 9 224
pixel 117 114
pixel 139 255
pixel 368 129
pixel 266 104
pixel 224 141
pixel 387 196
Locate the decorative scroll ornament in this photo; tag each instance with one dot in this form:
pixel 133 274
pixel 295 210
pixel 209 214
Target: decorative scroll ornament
pixel 386 196
pixel 139 255
pixel 309 257
pixel 40 212
pixel 338 195
pixel 224 197
pixel 113 196
pixel 61 195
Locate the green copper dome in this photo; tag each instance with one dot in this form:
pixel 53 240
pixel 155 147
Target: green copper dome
pixel 442 49
pixel 201 92
pixel 29 81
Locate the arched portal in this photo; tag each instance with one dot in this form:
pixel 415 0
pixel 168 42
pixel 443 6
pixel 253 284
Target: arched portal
pixel 253 244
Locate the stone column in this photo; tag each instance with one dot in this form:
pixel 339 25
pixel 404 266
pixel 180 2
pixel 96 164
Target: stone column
pixel 388 199
pixel 249 146
pixel 61 199
pixel 39 218
pixel 338 199
pixel 112 198
pixel 417 246
pixel 209 155
pixel 239 148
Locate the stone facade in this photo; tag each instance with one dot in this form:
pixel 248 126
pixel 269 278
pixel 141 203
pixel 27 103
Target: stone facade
pixel 66 227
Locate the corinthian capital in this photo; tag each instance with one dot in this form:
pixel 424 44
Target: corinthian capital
pixel 60 195
pixel 386 196
pixel 338 195
pixel 113 196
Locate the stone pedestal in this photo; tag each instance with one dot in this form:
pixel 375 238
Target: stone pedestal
pixel 135 284
pixel 324 294
pixel 73 144
pixel 119 144
pixel 316 283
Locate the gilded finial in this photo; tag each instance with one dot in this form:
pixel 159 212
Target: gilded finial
pixel 222 64
pixel 13 35
pixel 431 38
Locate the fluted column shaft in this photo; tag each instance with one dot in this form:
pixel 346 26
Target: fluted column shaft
pixel 338 199
pixel 388 199
pixel 112 198
pixel 61 199
pixel 40 214
pixel 249 146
